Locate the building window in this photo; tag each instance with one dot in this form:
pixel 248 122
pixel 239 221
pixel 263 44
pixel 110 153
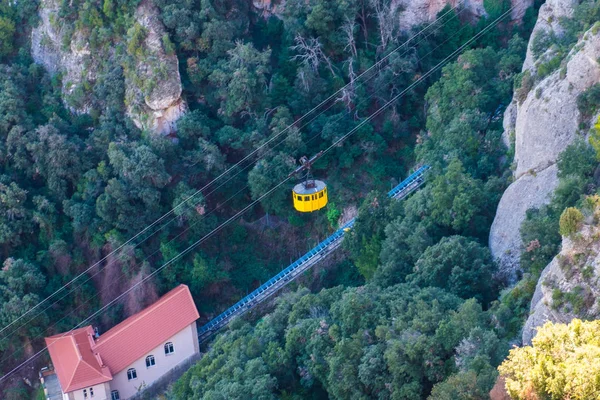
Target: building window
pixel 85 393
pixel 169 348
pixel 150 361
pixel 114 395
pixel 131 374
pixel 91 392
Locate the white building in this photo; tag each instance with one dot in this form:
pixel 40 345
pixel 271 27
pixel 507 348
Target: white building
pixel 130 356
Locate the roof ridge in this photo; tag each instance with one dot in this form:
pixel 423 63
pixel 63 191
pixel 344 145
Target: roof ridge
pixel 91 366
pixel 78 360
pixel 137 316
pixel 67 333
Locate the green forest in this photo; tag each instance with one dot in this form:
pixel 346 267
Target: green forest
pixel 415 306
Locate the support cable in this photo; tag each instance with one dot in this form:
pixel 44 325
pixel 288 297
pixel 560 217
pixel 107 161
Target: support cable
pixel 238 214
pixel 339 117
pixel 232 168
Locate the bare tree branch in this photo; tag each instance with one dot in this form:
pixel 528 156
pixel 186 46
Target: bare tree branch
pixel 386 13
pixel 349 91
pixel 310 53
pixel 348 29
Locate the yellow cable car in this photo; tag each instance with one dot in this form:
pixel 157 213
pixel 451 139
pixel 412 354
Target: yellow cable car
pixel 309 195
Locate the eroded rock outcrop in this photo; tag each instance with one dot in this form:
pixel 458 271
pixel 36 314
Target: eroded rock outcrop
pixel 542 125
pixel 548 20
pixel 532 190
pixel 70 57
pixel 548 120
pixel 569 285
pixel 153 88
pixel 423 11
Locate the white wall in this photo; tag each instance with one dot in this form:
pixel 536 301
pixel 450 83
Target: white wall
pixel 185 345
pixel 101 392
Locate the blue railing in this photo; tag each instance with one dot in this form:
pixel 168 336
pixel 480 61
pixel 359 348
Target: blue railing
pixel 333 241
pixel 415 177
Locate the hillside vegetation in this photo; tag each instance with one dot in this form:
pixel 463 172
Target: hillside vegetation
pixel 415 311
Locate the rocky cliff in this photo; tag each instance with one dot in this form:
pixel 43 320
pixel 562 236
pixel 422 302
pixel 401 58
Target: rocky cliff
pixel 153 91
pixel 152 85
pixel 414 12
pixel 422 11
pixel 70 57
pixel 570 284
pixel 541 122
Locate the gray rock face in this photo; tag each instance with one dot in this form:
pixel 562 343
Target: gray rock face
pixel 543 126
pixel 548 21
pixel 156 111
pixel 566 274
pixel 540 311
pixel 548 120
pixel 75 61
pixel 509 122
pixel 46 39
pixel 423 11
pixel 168 90
pixel 524 193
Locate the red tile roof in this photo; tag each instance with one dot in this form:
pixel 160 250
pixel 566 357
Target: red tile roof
pixel 78 362
pixel 151 327
pixel 74 361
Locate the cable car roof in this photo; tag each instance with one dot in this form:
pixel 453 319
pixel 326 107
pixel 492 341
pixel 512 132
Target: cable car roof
pixel 300 189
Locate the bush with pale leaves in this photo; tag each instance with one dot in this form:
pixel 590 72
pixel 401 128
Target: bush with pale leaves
pixel 562 363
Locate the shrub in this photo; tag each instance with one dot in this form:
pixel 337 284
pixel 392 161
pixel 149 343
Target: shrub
pixel 558 298
pixel 588 101
pixel 523 83
pixel 7 31
pixel 333 214
pixel 595 138
pixel 135 45
pixel 578 159
pixel 562 363
pixel 546 68
pixel 540 231
pixel 495 8
pixel 570 220
pixel 168 45
pixel 541 42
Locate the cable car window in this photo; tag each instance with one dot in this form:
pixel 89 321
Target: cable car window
pixel 306 198
pixel 320 194
pixel 299 198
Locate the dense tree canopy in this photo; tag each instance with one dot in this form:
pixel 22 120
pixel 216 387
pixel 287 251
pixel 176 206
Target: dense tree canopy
pixel 349 343
pixel 78 179
pixel 461 266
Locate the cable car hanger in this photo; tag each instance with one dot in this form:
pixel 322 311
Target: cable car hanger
pixel 310 194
